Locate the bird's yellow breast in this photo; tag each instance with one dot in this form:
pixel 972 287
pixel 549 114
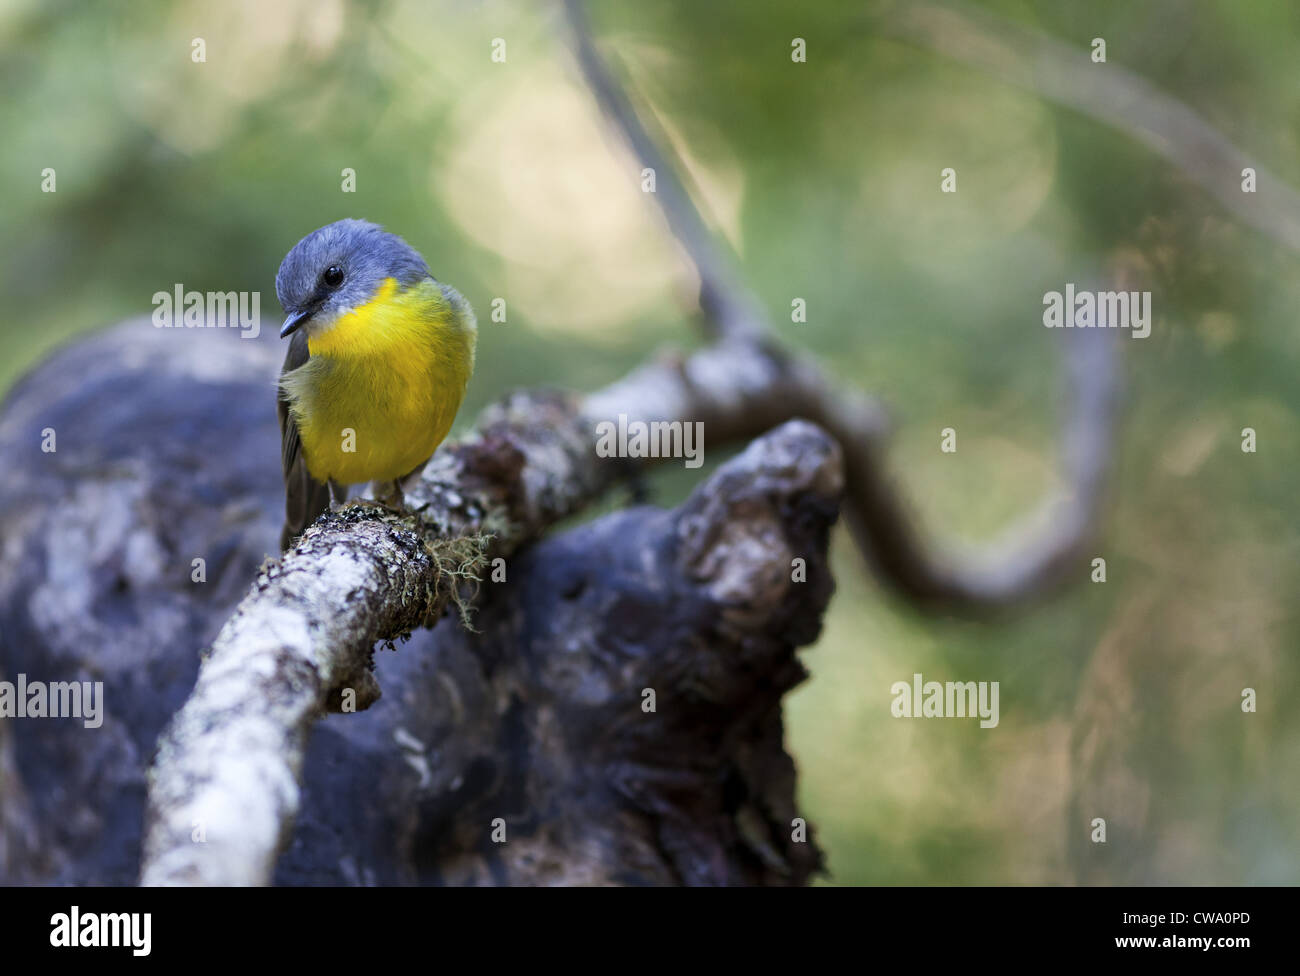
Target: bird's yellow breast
pixel 383 384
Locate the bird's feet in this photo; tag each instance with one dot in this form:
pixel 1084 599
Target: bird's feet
pixel 387 496
pixel 338 496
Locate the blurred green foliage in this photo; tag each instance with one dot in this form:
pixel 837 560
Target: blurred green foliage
pixel 1119 700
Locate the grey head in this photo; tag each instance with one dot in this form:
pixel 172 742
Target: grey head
pixel 339 267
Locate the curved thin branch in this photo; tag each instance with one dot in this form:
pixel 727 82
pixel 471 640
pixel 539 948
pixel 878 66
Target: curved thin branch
pixel 1044 550
pixel 730 310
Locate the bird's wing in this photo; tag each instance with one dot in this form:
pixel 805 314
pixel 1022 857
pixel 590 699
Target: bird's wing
pixel 305 498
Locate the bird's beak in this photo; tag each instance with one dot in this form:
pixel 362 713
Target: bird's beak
pixel 292 323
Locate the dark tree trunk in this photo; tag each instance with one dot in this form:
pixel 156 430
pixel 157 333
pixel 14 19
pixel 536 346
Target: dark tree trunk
pixel 523 752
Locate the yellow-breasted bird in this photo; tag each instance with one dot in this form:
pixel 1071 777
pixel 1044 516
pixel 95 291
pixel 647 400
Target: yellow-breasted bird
pixel 378 362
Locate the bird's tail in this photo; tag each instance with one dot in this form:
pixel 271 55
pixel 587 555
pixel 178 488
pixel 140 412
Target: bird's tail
pixel 305 500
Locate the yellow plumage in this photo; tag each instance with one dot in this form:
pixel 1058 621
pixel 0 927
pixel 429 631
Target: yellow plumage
pixel 392 372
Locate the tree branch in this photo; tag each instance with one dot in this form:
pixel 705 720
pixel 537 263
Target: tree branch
pixel 1043 549
pixel 304 635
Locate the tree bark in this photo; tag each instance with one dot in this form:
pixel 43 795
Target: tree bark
pixel 156 466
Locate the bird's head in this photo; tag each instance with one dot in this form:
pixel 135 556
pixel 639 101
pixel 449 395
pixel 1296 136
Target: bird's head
pixel 338 268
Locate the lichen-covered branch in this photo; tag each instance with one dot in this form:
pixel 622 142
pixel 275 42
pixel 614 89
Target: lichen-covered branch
pixel 301 641
pixel 132 547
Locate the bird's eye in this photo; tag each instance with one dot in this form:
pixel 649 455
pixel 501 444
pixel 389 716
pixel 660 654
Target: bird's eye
pixel 333 276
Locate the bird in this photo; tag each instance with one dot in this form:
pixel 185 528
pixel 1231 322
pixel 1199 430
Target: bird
pixel 380 355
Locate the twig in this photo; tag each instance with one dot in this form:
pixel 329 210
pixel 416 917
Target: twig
pixel 730 310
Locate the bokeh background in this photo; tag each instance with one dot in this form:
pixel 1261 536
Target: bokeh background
pixel 1118 700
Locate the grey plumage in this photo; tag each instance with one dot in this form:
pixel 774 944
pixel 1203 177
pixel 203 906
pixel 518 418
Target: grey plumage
pixel 367 253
